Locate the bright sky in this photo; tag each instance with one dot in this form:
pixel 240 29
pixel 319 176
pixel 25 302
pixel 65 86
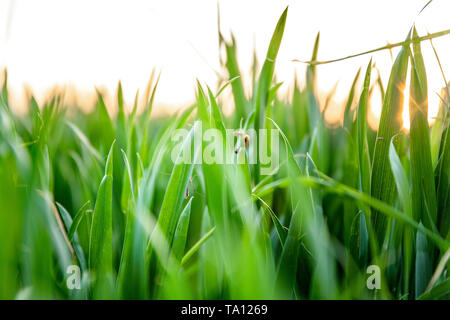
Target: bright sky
pixel 96 43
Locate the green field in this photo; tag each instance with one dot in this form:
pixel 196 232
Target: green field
pixel 349 212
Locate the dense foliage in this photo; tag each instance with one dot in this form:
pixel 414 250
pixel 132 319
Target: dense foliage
pixel 102 193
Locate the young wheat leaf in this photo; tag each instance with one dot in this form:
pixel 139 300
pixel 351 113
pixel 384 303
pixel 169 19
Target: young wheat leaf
pixel 265 81
pixel 100 244
pixel 423 191
pixel 67 219
pixel 197 246
pixel 383 184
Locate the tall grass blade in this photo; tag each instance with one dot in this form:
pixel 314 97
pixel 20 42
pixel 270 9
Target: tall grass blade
pixel 383 184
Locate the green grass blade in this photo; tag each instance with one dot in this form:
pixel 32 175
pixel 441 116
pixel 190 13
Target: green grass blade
pixel 383 184
pixel 197 246
pixel 265 81
pixel 361 134
pixel 281 231
pixel 348 115
pixel 85 141
pixel 100 246
pixel 67 219
pixel 442 173
pixel 237 87
pixel 300 113
pixel 176 189
pixel 423 264
pixel 423 189
pixel 181 232
pixel 82 212
pixel 439 291
pixel 306 216
pixel 405 200
pixel 376 204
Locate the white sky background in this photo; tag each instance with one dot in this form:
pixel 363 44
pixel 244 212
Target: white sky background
pixel 96 43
